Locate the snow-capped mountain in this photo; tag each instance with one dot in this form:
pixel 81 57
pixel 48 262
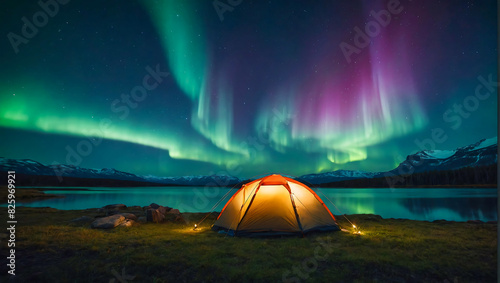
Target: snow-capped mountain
pixel 25 166
pixel 484 152
pixel 339 175
pixel 31 167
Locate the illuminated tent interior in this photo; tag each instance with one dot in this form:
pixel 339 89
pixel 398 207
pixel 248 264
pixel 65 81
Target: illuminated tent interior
pixel 274 205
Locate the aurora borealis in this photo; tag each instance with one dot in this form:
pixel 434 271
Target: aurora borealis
pixel 168 88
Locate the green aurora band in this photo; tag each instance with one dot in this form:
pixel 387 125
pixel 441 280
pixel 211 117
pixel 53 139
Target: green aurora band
pixel 292 121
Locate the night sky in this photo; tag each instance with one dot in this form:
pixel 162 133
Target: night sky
pixel 191 87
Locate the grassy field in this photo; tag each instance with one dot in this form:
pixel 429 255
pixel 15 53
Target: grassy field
pixel 50 248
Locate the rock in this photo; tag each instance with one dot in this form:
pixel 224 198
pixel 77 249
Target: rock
pixel 154 205
pixel 439 221
pixel 115 206
pixel 475 221
pixel 112 212
pixel 83 219
pixel 491 222
pixel 155 215
pixel 127 223
pixel 129 216
pixel 142 219
pixel 135 207
pixel 162 210
pixel 108 222
pixel 174 211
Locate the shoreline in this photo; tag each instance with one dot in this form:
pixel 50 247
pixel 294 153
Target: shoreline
pixel 28 194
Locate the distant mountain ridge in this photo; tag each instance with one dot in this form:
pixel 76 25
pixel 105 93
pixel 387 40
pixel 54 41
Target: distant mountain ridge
pixel 61 171
pixel 201 180
pixel 338 175
pixel 481 153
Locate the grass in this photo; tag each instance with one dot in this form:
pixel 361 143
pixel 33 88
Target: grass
pixel 50 248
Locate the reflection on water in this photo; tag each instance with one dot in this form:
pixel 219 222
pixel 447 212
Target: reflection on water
pixel 466 208
pixel 419 204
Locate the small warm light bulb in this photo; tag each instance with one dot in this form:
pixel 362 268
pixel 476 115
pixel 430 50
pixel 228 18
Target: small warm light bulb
pixel 195 226
pixel 353 226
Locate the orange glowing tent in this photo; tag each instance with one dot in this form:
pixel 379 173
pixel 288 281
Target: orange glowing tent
pixel 275 205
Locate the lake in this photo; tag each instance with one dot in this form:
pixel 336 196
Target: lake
pixel 417 204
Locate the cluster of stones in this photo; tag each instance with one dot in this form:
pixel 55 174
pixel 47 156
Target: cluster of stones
pixel 116 216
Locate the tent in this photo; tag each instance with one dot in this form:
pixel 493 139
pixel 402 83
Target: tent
pixel 275 205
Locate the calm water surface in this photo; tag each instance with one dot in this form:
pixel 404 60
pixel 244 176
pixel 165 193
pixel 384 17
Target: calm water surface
pixel 418 204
